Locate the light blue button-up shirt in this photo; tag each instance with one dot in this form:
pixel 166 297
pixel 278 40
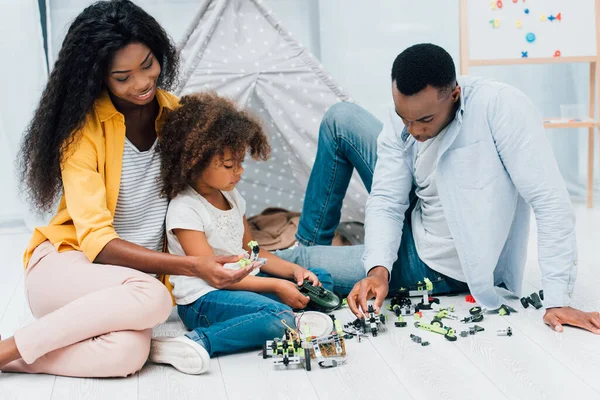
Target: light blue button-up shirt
pixel 494 164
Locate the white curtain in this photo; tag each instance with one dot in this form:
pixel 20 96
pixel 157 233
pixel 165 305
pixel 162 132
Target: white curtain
pixel 23 74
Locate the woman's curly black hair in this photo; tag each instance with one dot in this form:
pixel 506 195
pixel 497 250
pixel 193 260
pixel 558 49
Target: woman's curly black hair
pixel 202 127
pixel 76 81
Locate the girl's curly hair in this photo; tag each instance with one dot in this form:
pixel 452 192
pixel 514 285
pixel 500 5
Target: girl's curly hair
pixel 201 128
pixel 76 81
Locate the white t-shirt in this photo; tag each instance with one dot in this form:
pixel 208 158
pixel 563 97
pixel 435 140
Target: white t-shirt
pixel 140 212
pixel 224 232
pixel 434 243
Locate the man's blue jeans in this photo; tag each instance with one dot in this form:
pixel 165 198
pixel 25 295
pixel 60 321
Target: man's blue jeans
pixel 348 140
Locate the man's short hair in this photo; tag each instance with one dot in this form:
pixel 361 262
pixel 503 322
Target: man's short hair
pixel 421 65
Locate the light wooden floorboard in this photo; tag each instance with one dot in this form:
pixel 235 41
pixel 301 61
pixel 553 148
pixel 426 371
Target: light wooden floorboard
pixel 158 382
pixel 11 250
pixel 366 374
pixel 534 363
pixel 95 389
pixel 21 386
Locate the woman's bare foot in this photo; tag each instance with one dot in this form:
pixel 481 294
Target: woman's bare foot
pixel 8 351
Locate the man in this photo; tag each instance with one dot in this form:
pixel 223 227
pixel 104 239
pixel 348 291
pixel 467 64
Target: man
pixel 459 164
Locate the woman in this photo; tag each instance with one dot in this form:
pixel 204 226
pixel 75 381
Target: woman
pixel 93 140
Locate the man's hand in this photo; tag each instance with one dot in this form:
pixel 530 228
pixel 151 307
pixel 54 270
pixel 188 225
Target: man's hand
pixel 210 268
pixel 374 285
pixel 557 317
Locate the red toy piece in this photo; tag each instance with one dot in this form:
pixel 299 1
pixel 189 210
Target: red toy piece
pixel 499 3
pixel 470 299
pixel 557 53
pixel 559 16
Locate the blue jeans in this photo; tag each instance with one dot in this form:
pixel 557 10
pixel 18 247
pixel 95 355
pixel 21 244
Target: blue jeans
pixel 348 140
pixel 228 321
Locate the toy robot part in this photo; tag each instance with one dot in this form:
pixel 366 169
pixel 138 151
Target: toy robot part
pixel 320 298
pixel 534 299
pixel 504 332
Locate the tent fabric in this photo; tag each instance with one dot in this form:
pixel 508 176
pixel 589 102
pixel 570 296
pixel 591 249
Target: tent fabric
pixel 238 49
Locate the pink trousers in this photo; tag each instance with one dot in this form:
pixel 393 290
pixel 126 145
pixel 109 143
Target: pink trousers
pixel 93 320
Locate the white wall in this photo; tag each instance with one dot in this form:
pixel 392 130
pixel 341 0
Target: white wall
pixel 355 40
pixel 22 78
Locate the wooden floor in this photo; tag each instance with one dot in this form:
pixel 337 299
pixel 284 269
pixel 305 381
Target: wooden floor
pixel 535 363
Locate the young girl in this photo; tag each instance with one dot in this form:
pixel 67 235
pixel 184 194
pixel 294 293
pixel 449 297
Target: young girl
pixel 204 144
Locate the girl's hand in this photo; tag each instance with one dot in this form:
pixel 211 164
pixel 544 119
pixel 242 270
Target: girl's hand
pixel 289 294
pixel 300 274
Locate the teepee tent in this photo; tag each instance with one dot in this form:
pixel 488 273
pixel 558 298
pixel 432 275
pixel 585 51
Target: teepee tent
pixel 238 49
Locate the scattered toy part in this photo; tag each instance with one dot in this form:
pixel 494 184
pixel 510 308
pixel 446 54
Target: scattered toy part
pixel 504 332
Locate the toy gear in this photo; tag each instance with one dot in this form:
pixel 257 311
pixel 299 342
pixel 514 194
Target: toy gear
pixel 534 299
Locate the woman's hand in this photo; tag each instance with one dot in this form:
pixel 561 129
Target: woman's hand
pixel 300 274
pixel 210 269
pixel 289 294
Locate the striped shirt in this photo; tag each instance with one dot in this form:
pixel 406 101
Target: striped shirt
pixel 141 210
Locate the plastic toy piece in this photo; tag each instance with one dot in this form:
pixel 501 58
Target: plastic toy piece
pixel 470 299
pixel 399 310
pixel 464 333
pixel 444 313
pixel 437 327
pixel 514 1
pixel 475 310
pixel 287 351
pixel 320 298
pixel 472 318
pixel 400 323
pixel 557 53
pixel 499 3
pixel 519 23
pixel 329 363
pixel 399 301
pixel 254 250
pixel 376 321
pixel 551 18
pixel 524 54
pixel 493 5
pixel 421 288
pixel 415 338
pixel 534 299
pixel 542 294
pixel 495 23
pixel 504 332
pixel 424 343
pixel 527 11
pixel 244 262
pixel 505 310
pixel 418 315
pixel 559 17
pixel 543 18
pixel 530 37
